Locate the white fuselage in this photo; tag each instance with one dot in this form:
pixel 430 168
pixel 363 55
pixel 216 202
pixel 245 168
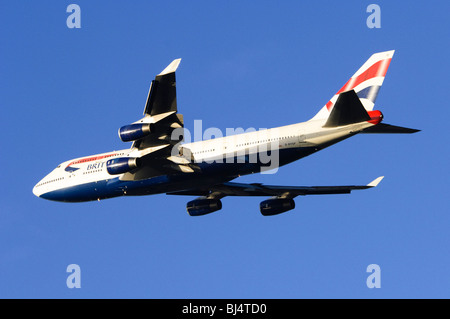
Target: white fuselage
pixel 90 170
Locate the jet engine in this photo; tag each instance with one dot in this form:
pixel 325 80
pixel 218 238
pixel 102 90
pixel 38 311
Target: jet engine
pixel 199 207
pixel 276 206
pixel 134 132
pixel 121 165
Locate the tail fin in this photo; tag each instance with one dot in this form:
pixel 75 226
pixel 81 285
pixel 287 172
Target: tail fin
pixel 366 82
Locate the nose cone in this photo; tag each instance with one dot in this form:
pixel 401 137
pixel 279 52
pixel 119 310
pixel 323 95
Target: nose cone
pixel 48 188
pixel 41 186
pixel 36 191
pixel 48 184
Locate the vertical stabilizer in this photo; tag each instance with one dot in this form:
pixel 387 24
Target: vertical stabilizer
pixel 366 82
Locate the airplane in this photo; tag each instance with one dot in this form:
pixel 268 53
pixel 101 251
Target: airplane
pixel 159 162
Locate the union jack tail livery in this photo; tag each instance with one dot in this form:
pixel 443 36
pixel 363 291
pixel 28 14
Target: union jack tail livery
pixel 366 83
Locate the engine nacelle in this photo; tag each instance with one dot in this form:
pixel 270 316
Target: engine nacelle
pixel 134 132
pixel 205 206
pixel 121 165
pixel 276 206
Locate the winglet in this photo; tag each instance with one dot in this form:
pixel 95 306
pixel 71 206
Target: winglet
pixel 172 67
pixel 375 182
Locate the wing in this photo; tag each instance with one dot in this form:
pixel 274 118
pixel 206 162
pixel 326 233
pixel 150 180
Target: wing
pixel 162 95
pixel 281 196
pixel 161 109
pixel 239 189
pixel 166 130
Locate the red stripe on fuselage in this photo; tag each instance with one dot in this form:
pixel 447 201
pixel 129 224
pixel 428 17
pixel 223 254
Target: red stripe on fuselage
pixel 90 159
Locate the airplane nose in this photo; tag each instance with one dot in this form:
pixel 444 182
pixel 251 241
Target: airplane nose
pixel 35 191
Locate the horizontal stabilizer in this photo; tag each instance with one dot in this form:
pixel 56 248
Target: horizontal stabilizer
pixel 387 128
pixel 347 110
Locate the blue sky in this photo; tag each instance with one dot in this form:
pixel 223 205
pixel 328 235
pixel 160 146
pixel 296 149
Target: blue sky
pixel 65 92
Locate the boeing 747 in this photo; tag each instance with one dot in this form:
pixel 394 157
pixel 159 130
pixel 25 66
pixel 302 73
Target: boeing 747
pixel 159 162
